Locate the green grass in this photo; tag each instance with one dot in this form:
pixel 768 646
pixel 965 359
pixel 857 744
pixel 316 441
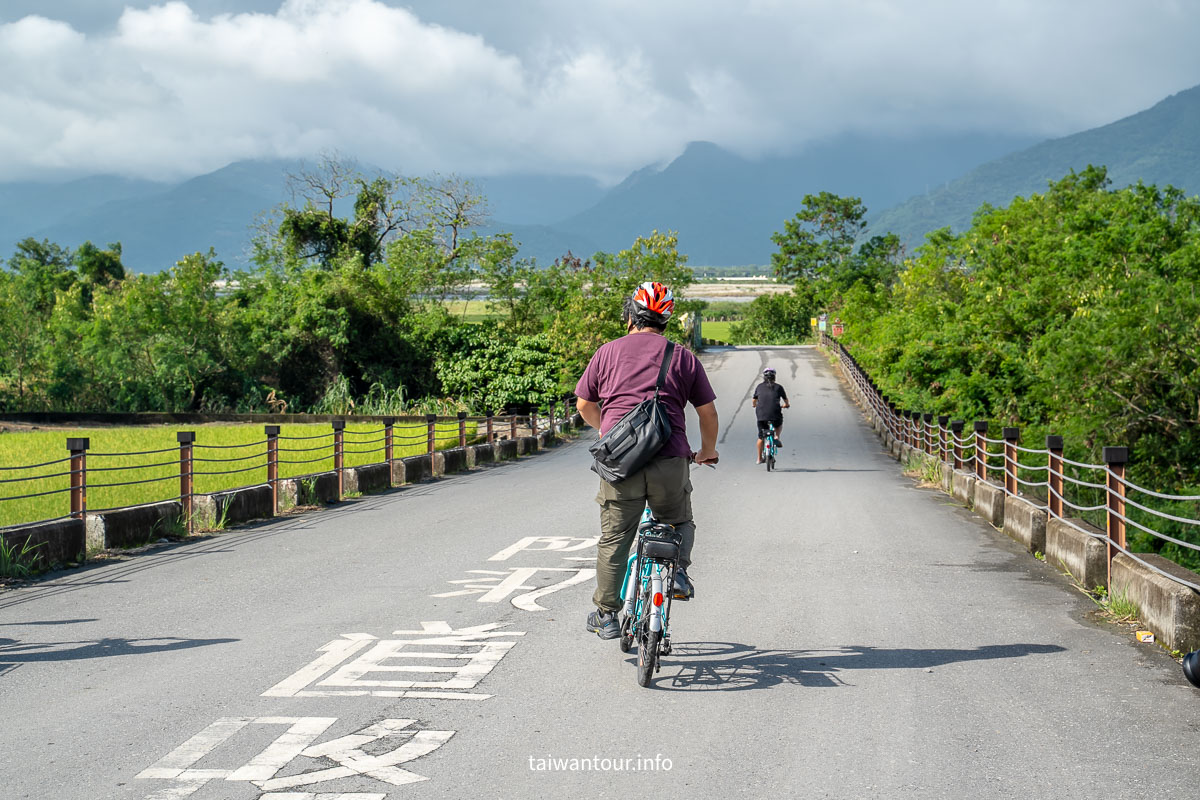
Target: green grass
pixel 717 331
pixel 471 310
pixel 247 443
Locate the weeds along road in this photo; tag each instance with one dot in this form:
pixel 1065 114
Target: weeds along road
pixel 852 636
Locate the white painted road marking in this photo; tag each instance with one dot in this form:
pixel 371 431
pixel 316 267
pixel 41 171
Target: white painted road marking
pixel 505 582
pixel 559 544
pixel 474 649
pixel 296 742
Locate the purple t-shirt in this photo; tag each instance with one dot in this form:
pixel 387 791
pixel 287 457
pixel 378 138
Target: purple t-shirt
pixel 622 374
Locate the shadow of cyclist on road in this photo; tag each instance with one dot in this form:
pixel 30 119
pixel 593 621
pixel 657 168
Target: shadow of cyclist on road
pixel 730 666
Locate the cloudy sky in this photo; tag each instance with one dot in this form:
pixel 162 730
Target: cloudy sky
pixel 166 90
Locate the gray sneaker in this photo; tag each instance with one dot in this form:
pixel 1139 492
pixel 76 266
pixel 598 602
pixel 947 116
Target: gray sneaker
pixel 604 624
pixel 683 586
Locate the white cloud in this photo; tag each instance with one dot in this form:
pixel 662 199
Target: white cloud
pixel 172 89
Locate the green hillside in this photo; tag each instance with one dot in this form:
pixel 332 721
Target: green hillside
pixel 1160 145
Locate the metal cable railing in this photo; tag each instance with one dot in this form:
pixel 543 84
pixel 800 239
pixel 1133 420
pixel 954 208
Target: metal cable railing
pixel 203 469
pixel 1049 478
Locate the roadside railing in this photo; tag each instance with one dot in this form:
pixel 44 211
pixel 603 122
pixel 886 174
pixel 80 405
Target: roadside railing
pixel 89 482
pixel 1069 490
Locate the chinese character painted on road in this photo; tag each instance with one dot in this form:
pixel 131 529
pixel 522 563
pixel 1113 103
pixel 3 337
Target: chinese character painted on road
pixel 556 544
pixel 436 662
pixel 495 586
pixel 292 745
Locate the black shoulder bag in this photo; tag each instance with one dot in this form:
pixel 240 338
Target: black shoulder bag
pixel 637 437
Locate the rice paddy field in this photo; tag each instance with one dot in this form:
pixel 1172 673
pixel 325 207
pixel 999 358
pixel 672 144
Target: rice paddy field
pixel 225 457
pixel 717 331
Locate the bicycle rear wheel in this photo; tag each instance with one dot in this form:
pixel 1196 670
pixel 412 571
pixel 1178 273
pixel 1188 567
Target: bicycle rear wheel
pixel 648 657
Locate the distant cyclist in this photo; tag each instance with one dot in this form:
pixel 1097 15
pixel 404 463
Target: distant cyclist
pixel 769 401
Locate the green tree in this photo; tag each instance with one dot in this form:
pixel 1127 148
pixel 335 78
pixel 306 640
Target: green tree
pixel 819 241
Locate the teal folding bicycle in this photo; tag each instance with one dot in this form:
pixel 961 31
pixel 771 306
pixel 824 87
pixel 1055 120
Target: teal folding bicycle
pixel 770 446
pixel 647 592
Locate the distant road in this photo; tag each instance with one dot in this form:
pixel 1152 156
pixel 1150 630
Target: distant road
pixel 853 636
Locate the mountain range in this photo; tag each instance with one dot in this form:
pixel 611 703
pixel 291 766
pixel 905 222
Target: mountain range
pixel 723 206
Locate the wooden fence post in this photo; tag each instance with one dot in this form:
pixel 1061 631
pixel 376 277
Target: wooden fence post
pixel 462 429
pixel 1054 476
pixel 430 432
pixel 339 428
pixel 926 432
pixel 956 432
pixel 1115 459
pixel 272 432
pixel 186 441
pixel 78 449
pixel 491 433
pixel 943 438
pixel 389 450
pixel 1011 437
pixel 981 450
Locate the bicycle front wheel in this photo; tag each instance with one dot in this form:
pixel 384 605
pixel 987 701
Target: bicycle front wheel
pixel 648 656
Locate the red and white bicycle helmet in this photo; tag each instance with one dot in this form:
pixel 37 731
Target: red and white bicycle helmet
pixel 652 296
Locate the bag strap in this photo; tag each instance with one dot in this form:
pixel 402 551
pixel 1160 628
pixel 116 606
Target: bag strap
pixel 662 371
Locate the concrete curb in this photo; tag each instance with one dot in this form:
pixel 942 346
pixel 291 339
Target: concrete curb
pixel 133 526
pixel 989 502
pixel 962 487
pixel 1084 556
pixel 1170 609
pixel 234 506
pixel 1026 523
pixel 366 479
pixel 309 490
pixel 56 542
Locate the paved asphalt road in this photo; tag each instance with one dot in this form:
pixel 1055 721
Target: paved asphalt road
pixel 853 636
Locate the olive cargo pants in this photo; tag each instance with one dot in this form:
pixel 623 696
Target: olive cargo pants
pixel 666 486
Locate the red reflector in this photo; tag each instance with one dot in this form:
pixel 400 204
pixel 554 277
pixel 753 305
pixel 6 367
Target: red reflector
pixel 658 598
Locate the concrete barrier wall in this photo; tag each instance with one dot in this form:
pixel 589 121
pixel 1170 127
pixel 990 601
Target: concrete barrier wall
pixel 963 487
pixel 234 506
pixel 545 439
pixel 480 454
pixel 1026 523
pixel 989 502
pixel 1170 609
pixel 305 490
pixel 1069 548
pixel 452 460
pixel 507 449
pixel 133 526
pixel 366 479
pixel 53 542
pixel 418 468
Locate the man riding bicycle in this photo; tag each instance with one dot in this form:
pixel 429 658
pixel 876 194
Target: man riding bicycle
pixel 769 401
pixel 621 374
